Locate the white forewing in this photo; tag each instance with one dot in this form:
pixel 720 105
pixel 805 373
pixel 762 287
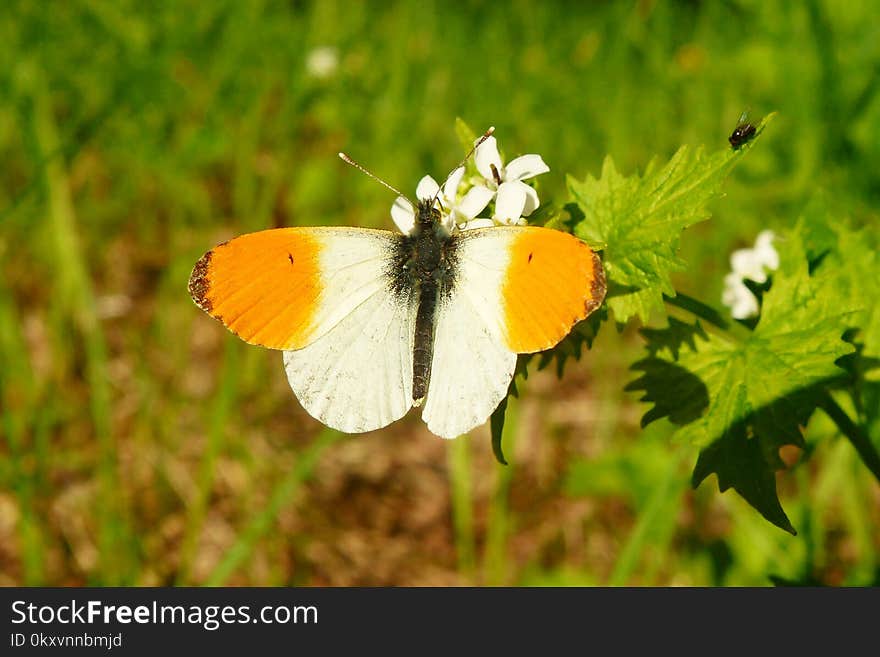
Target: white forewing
pixel 358 376
pixel 471 367
pixel 482 259
pixel 354 266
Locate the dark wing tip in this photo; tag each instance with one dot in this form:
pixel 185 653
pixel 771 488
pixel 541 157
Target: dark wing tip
pixel 598 286
pixel 198 282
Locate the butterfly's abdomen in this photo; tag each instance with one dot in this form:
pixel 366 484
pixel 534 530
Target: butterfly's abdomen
pixel 431 262
pixel 423 349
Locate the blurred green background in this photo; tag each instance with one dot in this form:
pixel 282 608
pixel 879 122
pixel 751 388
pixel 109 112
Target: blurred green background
pixel 143 444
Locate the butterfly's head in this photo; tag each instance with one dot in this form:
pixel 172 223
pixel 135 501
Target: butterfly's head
pixel 427 213
pixel 430 220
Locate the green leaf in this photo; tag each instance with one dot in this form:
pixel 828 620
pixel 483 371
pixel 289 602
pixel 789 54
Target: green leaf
pixel 742 400
pixel 637 221
pixel 675 391
pixel 739 463
pixel 496 422
pixel 855 257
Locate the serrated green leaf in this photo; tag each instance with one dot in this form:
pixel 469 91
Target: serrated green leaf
pixel 853 257
pixel 637 221
pixel 739 463
pixel 683 397
pixel 743 400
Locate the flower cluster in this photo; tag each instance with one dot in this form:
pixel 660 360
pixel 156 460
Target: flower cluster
pixel 749 264
pixel 462 200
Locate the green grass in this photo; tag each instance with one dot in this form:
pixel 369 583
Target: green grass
pixel 145 445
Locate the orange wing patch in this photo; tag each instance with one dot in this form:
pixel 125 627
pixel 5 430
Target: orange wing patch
pixel 263 286
pixel 553 281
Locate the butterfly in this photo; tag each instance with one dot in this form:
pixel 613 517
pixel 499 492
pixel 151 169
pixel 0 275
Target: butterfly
pixel 372 322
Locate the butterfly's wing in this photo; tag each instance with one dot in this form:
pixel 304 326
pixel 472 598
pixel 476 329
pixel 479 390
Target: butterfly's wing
pixel 326 296
pixel 358 376
pixel 515 290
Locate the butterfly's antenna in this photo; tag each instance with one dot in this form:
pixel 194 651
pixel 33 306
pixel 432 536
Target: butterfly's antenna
pixel 476 145
pixel 345 158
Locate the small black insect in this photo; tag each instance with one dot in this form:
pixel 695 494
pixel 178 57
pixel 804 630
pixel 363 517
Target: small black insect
pixel 742 133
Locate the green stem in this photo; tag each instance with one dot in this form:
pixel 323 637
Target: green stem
pixel 458 453
pixel 499 522
pixel 856 435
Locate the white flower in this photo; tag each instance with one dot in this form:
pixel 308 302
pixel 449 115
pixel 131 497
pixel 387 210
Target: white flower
pixel 514 198
pixel 322 62
pixel 453 211
pixel 752 264
pixel 738 297
pixel 459 208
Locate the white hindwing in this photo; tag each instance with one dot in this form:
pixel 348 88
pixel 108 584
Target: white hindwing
pixel 472 367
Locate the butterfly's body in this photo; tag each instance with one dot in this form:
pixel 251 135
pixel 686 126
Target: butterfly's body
pixel 425 272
